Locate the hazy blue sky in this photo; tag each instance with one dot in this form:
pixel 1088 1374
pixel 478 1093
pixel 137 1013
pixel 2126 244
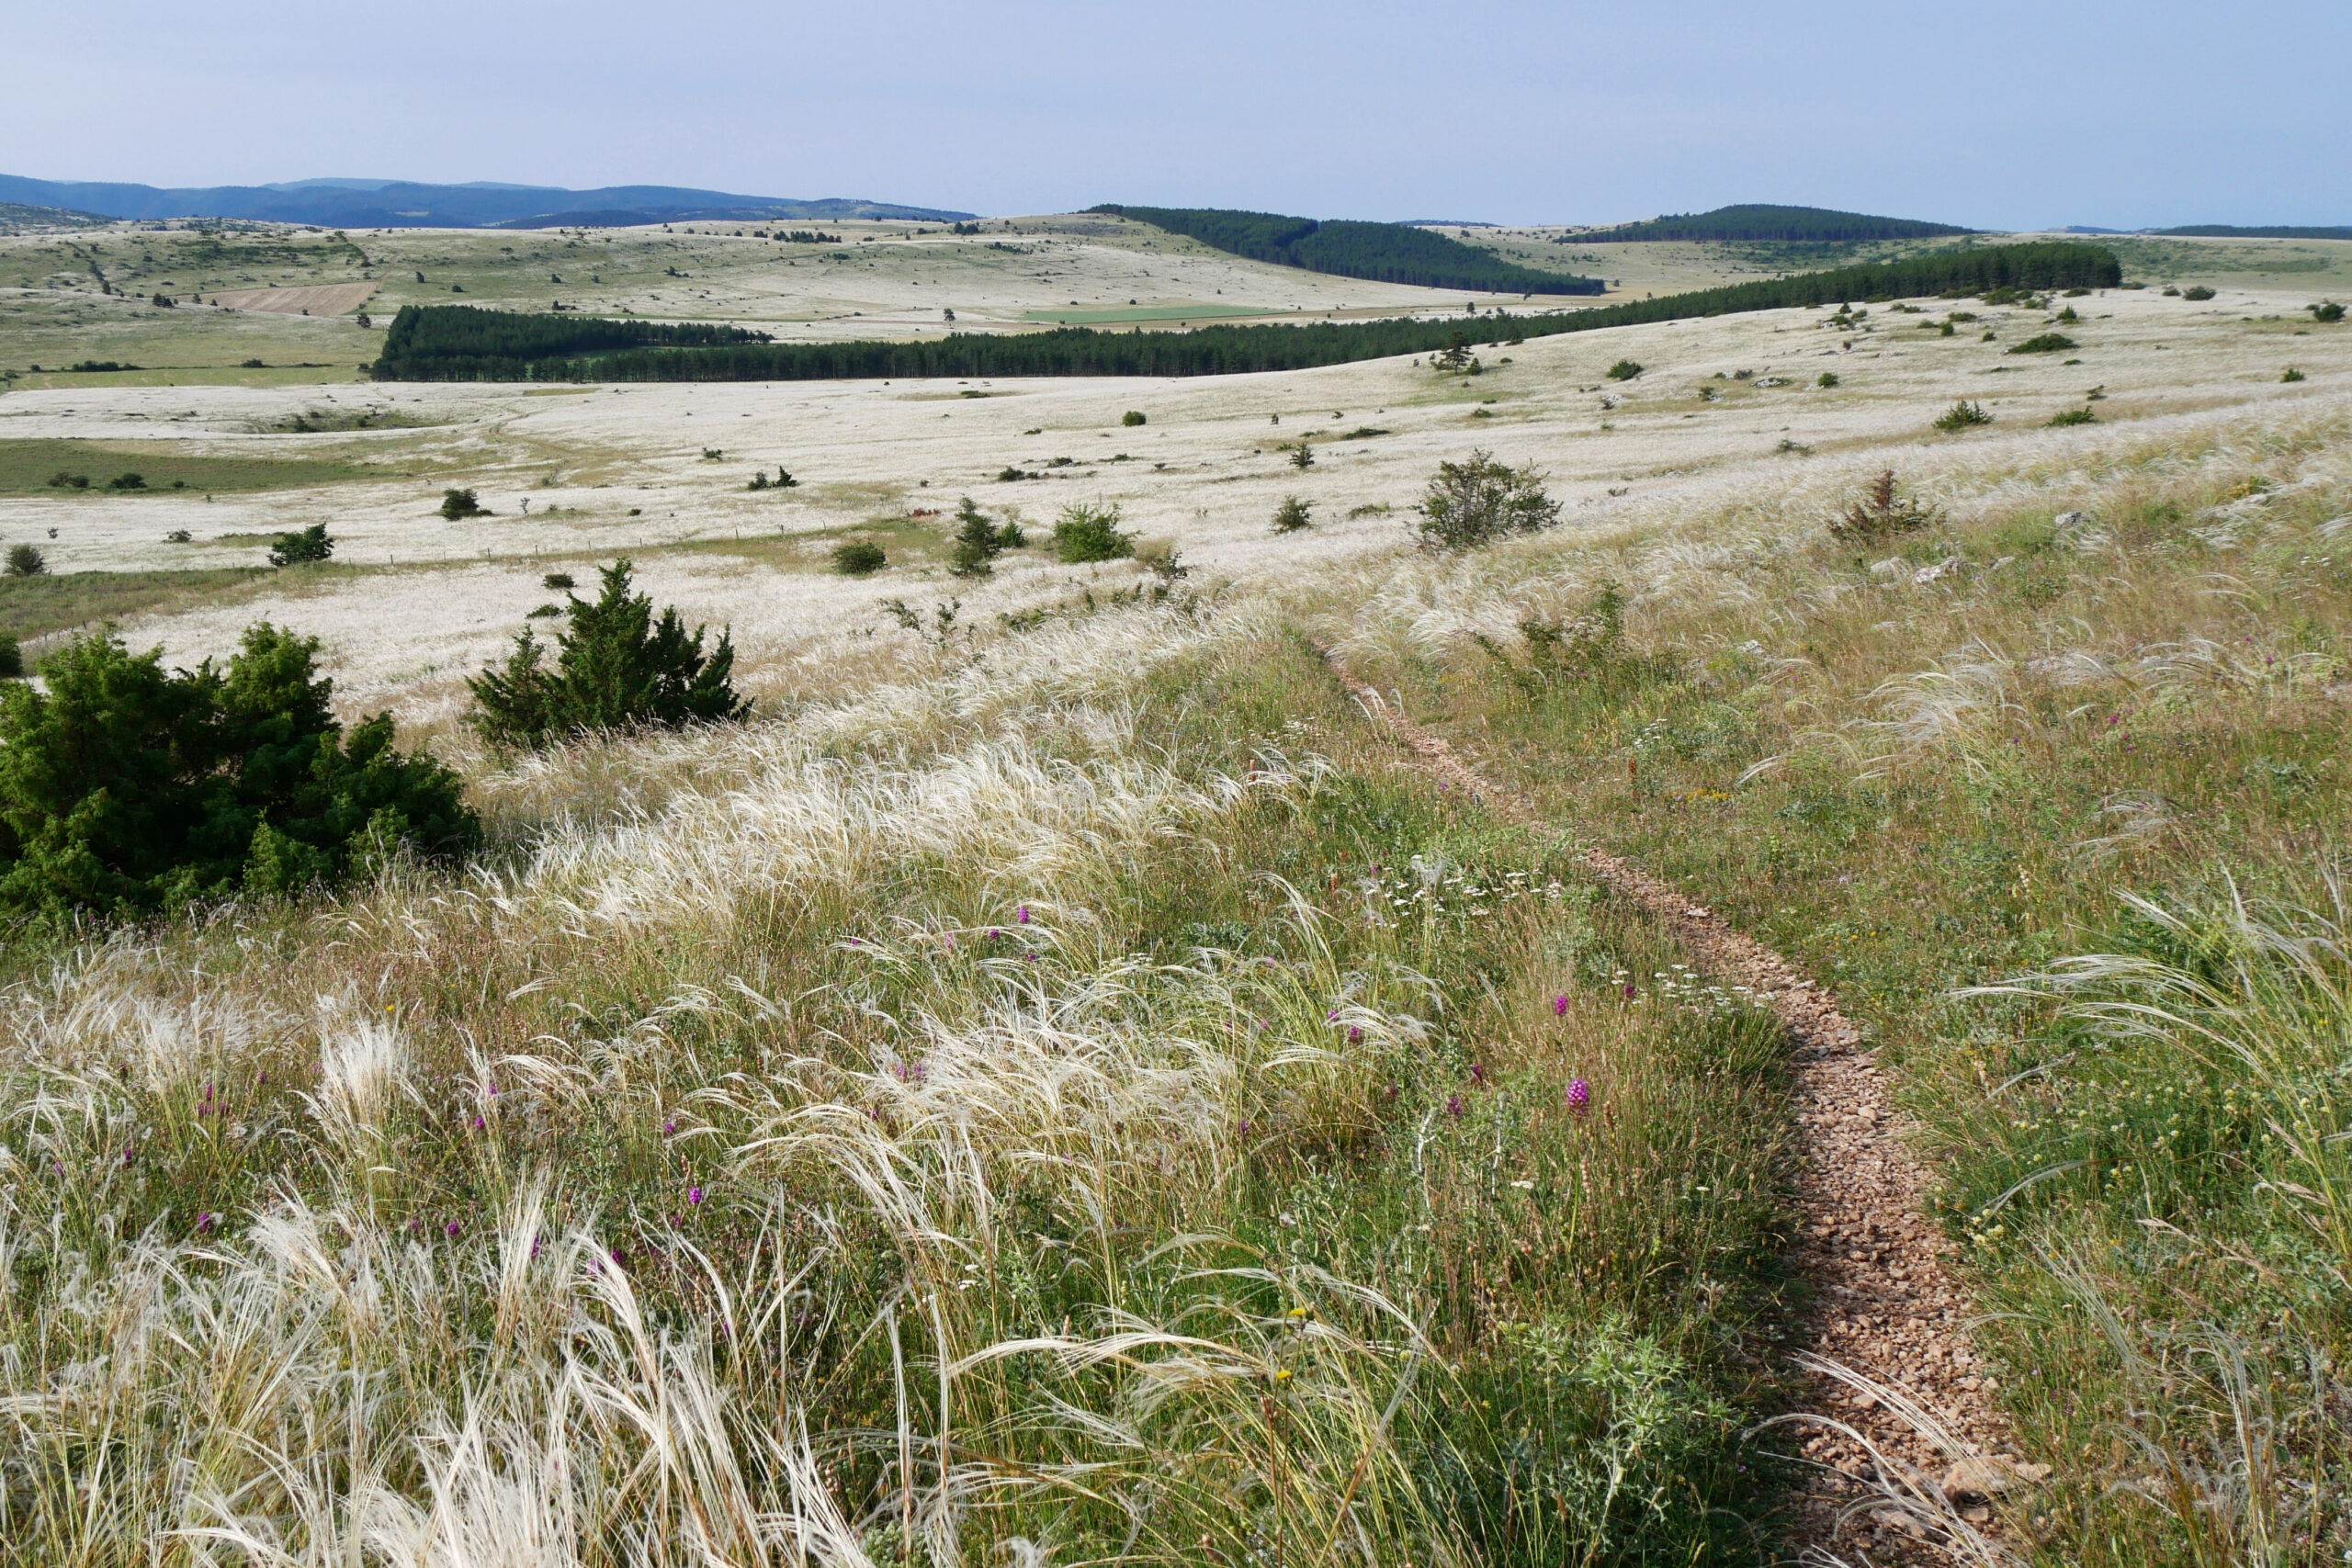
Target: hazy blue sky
pixel 1992 113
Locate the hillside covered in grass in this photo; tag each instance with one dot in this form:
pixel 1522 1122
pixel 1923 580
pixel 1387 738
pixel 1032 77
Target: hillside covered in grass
pixel 1384 252
pixel 459 343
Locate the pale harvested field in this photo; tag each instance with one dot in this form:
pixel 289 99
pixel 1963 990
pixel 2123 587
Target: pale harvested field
pixel 1205 472
pixel 320 299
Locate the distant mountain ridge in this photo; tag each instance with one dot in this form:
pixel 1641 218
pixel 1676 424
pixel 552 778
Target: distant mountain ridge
pixel 403 204
pixel 1754 221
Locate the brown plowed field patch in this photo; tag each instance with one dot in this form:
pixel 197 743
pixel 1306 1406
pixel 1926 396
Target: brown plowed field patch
pixel 318 300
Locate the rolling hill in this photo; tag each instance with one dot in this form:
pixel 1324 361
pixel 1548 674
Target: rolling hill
pixel 400 204
pixel 1784 224
pixel 1382 253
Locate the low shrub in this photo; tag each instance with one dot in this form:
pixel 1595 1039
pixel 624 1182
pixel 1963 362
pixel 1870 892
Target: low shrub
pixel 2074 416
pixel 1624 370
pixel 559 581
pixel 2328 311
pixel 26 560
pixel 859 557
pixel 126 789
pixel 2293 375
pixel 2045 342
pixel 1294 515
pixel 12 660
pixel 1881 515
pixel 1091 532
pixel 1132 417
pixel 1827 379
pixel 617 668
pixel 1961 416
pixel 1479 499
pixel 458 504
pixel 179 537
pixel 311 543
pixel 2198 291
pixel 1303 455
pixel 127 482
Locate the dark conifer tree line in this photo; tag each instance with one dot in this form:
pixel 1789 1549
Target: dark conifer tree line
pixel 1382 253
pixel 440 343
pixel 1758 221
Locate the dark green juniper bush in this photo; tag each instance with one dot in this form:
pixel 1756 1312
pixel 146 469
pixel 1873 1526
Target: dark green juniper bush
pixel 1089 532
pixel 1294 515
pixel 617 666
pixel 859 557
pixel 125 789
pixel 458 504
pixel 311 543
pixel 1961 415
pixel 979 539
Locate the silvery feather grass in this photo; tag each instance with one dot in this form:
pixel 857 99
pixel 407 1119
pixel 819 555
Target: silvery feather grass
pixel 346 1373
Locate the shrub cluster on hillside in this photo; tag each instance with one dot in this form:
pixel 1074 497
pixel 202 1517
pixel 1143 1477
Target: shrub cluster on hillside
pixel 617 667
pixel 463 344
pixel 125 788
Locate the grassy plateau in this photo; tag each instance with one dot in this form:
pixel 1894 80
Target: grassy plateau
pixel 1059 1086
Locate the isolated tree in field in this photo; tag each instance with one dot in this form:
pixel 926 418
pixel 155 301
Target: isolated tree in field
pixel 1085 533
pixel 617 667
pixel 459 504
pixel 125 788
pixel 2327 311
pixel 979 539
pixel 1294 515
pixel 1881 515
pixel 1455 356
pixel 26 560
pixel 1479 500
pixel 311 543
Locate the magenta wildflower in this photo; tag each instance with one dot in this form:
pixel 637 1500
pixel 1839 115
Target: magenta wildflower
pixel 1560 1005
pixel 204 1223
pixel 1245 1127
pixel 1477 1072
pixel 1579 1097
pixel 694 1195
pixel 479 1123
pixel 996 933
pixel 668 1129
pixel 1453 1106
pixel 451 1229
pixel 1333 1016
pixel 1629 990
pixel 1022 914
pixel 1355 1035
pixel 538 1244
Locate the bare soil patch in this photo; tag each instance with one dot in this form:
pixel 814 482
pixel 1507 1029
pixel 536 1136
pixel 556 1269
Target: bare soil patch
pixel 313 300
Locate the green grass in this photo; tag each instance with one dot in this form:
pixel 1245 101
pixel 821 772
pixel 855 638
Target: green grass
pixel 26 467
pixel 36 606
pixel 2145 1158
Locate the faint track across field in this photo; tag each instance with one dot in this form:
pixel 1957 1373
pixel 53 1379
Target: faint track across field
pixel 1911 1445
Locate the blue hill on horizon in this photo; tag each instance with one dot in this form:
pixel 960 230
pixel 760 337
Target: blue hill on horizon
pixel 403 204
